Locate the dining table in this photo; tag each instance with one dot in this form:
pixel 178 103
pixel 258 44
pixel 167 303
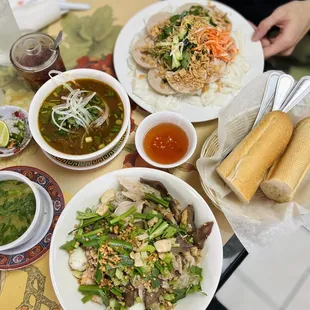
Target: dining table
pixel 88 42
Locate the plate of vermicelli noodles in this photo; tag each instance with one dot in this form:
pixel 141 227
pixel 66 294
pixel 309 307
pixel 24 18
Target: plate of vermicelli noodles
pixel 191 58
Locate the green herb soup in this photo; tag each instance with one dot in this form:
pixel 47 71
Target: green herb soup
pixel 81 117
pixel 17 209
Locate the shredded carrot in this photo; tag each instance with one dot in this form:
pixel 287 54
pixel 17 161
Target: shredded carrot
pixel 218 41
pixel 11 145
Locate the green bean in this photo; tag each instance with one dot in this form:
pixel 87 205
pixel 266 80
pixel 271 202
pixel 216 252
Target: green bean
pixel 170 232
pixel 152 197
pixel 159 230
pixel 146 216
pixel 124 215
pixel 84 216
pixel 87 223
pixel 91 233
pixel 86 299
pixel 116 291
pixel 90 289
pixel 94 242
pixel 80 230
pixel 156 226
pixel 121 243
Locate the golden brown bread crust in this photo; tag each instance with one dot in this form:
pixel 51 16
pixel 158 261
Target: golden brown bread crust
pixel 244 168
pixel 287 173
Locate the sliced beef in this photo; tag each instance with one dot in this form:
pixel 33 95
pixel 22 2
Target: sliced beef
pixel 201 234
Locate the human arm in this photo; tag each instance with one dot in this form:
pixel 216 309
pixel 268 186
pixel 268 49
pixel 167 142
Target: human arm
pixel 293 19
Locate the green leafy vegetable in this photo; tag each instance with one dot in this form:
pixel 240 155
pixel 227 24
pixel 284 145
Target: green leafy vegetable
pixel 104 297
pixel 155 283
pixel 174 18
pixel 179 294
pixel 69 245
pixel 197 271
pixel 186 59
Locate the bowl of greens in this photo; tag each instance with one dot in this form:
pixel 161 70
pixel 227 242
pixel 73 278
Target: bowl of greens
pixel 20 210
pixel 136 239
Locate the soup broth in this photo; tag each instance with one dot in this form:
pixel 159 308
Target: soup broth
pixel 17 209
pixel 73 138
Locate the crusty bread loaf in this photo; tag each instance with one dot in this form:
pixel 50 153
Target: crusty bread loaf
pixel 289 170
pixel 244 168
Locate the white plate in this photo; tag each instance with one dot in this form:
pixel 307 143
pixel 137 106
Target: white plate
pixel 65 284
pixel 91 164
pixel 253 54
pixel 42 229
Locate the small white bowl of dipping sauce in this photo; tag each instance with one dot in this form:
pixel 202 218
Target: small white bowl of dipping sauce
pixel 166 139
pixel 18 187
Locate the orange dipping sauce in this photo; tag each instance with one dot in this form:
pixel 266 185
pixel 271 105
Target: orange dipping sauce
pixel 165 143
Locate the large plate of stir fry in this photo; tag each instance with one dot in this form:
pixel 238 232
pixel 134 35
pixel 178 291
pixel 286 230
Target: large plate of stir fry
pixel 136 239
pixel 192 58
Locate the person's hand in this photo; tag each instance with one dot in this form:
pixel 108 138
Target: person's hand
pixel 264 41
pixel 293 19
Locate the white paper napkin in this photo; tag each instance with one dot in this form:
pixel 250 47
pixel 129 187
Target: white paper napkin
pixel 33 15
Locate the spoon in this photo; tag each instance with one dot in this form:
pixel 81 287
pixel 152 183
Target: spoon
pixel 268 96
pixel 57 41
pixel 284 86
pixel 299 92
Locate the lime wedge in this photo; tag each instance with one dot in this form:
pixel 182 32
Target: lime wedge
pixel 4 134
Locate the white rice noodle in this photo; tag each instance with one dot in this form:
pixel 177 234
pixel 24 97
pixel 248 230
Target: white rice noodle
pixel 126 205
pixel 123 207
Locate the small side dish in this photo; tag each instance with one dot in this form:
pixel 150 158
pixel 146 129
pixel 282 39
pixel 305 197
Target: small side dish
pixel 17 209
pixel 81 116
pixel 137 245
pixel 166 139
pixel 14 130
pixel 13 137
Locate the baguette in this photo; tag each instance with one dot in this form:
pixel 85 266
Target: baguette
pixel 244 168
pixel 287 173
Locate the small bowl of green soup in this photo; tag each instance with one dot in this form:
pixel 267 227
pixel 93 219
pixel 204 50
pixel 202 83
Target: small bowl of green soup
pixel 20 210
pixel 79 114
